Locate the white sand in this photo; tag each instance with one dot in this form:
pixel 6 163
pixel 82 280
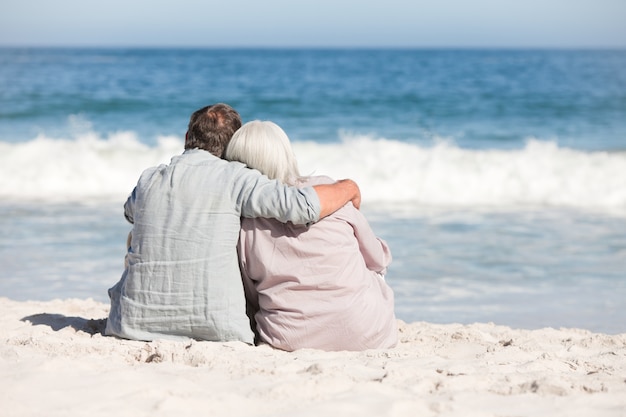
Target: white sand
pixel 54 362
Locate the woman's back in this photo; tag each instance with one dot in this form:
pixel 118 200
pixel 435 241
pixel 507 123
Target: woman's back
pixel 318 286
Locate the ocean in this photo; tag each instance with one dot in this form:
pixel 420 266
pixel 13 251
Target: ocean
pixel 498 177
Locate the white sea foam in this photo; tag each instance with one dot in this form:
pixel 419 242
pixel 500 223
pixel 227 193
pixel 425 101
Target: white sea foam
pixel 82 169
pixel 541 174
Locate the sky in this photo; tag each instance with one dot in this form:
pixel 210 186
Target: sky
pixel 318 23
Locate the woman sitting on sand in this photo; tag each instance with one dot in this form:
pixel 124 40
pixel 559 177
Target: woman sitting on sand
pixel 320 286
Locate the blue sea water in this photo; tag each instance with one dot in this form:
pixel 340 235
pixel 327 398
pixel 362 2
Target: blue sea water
pixel 498 177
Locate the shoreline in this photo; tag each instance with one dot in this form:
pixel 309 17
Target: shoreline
pixel 54 361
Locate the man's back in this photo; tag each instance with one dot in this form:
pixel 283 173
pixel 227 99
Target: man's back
pixel 183 277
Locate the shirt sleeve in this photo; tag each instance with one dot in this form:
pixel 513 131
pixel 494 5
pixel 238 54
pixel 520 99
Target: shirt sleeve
pixel 374 250
pixel 130 204
pixel 129 207
pixel 258 196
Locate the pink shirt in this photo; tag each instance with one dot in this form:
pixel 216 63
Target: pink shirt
pixel 318 286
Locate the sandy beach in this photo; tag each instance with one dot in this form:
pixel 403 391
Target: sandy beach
pixel 54 361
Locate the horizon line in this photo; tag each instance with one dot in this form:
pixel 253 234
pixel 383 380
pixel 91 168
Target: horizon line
pixel 314 47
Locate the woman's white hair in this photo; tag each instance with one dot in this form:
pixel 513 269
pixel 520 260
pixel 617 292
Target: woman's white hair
pixel 264 146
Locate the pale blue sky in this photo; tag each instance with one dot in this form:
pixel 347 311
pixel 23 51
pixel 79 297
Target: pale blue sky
pixel 335 23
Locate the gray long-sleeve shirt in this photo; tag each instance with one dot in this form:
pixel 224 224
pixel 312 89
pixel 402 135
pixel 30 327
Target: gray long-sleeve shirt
pixel 183 278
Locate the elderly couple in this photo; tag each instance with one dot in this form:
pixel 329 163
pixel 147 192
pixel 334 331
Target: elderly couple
pixel 312 268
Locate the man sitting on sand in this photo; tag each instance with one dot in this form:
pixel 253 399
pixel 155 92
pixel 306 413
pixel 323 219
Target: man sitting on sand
pixel 182 279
